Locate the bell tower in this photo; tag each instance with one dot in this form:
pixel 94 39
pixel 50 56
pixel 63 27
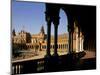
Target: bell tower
pixel 13 32
pixel 42 30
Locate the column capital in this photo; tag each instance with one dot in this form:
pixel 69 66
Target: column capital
pixel 49 23
pixel 48 19
pixel 69 28
pixel 56 20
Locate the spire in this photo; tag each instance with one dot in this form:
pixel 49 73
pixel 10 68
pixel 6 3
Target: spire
pixel 13 32
pixel 42 30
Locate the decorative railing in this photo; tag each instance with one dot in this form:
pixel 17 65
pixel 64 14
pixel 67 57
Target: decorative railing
pixel 29 66
pixel 64 62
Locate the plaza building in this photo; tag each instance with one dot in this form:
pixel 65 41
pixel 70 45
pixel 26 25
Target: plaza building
pixel 20 39
pixel 38 42
pixel 62 44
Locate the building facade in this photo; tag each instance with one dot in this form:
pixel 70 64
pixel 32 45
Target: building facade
pixel 39 41
pixel 25 40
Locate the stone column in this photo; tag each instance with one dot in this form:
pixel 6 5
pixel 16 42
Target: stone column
pixel 48 38
pixel 82 41
pixel 55 39
pixel 71 41
pixel 69 29
pixel 77 42
pixel 56 23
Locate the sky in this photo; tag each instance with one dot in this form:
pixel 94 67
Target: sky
pixel 30 16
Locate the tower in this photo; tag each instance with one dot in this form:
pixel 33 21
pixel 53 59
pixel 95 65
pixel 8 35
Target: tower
pixel 42 30
pixel 13 32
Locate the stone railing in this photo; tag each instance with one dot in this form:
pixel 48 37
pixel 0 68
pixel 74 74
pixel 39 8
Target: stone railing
pixel 27 66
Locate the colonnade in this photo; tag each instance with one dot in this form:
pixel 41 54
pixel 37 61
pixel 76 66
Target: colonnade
pixel 76 38
pixel 49 37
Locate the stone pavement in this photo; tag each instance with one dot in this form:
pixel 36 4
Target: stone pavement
pixel 39 55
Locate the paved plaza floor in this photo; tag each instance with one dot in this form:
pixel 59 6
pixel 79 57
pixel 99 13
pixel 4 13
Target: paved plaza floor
pixel 41 54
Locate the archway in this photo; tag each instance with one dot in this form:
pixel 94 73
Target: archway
pixel 62 31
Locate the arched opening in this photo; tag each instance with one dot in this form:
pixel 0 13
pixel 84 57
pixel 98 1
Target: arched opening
pixel 62 31
pixel 52 39
pixel 74 43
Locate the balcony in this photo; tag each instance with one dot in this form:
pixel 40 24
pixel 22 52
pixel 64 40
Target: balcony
pixel 68 62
